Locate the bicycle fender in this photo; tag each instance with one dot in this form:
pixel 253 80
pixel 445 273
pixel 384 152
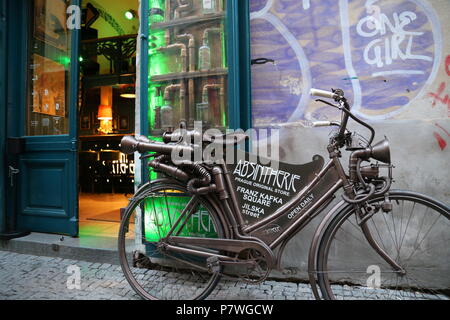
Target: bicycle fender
pixel 342 205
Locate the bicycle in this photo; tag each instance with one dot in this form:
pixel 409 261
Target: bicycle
pixel 181 234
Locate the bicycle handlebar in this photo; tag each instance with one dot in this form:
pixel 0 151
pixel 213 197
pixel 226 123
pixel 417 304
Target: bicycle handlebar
pixel 130 145
pixel 324 94
pixel 338 95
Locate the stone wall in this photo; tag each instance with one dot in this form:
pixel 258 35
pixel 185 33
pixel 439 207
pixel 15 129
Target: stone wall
pixel 392 59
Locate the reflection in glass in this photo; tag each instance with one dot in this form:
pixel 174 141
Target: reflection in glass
pixel 48 74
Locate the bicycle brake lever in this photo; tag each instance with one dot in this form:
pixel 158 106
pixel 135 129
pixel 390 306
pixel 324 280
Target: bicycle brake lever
pixel 328 103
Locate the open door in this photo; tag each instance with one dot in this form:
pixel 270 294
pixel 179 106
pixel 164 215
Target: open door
pixel 42 117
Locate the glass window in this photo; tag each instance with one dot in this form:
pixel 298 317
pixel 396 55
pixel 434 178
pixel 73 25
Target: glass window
pixel 48 69
pixel 187 64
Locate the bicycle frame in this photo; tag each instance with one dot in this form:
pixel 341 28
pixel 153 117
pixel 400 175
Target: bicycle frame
pixel 293 216
pixel 323 187
pixel 253 244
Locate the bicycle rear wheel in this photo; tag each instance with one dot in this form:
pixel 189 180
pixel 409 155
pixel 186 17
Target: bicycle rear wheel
pixel 151 271
pixel 415 234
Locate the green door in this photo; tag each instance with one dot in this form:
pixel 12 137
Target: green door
pixel 42 112
pixel 3 31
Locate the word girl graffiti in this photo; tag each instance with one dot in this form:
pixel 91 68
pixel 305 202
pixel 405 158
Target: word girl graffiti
pixel 383 53
pixel 391 40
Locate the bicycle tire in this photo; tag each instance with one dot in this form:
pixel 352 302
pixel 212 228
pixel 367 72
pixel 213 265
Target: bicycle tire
pixel 151 273
pixel 370 276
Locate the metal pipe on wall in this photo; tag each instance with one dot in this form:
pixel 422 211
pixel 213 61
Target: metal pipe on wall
pixel 168 8
pixel 182 88
pixel 191 88
pixel 191 47
pixel 214 86
pixel 182 7
pixel 210 30
pixel 183 53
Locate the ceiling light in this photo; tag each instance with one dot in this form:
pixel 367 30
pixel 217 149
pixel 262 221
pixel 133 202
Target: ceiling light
pixel 130 14
pixel 129 93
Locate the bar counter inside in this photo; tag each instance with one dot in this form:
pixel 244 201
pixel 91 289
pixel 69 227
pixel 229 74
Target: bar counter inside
pixel 102 167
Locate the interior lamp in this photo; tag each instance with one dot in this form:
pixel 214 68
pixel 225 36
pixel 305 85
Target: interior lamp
pixel 130 14
pixel 129 93
pixel 105 113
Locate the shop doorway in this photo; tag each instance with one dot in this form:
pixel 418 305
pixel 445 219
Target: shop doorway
pixel 41 95
pixel 106 114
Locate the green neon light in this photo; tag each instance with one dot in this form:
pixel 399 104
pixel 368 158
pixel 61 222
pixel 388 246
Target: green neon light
pixel 162 212
pixel 158 63
pixel 129 15
pixel 64 60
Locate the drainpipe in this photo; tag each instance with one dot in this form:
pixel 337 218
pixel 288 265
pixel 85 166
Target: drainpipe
pixel 191 88
pixel 183 52
pixel 174 87
pixel 220 88
pixel 182 7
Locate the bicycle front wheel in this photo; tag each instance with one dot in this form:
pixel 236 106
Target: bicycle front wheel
pixel 147 224
pixel 415 234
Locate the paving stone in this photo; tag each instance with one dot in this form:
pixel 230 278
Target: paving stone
pixel 24 277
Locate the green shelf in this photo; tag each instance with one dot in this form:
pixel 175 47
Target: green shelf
pixel 189 75
pixel 187 21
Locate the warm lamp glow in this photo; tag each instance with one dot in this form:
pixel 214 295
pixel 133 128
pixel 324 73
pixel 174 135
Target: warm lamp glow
pixel 128 95
pixel 105 112
pixel 129 92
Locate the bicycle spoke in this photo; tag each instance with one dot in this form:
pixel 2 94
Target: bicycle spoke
pixel 414 228
pixel 387 226
pixel 167 209
pixel 153 270
pixel 407 224
pixel 418 245
pixel 418 234
pixel 395 232
pixel 379 236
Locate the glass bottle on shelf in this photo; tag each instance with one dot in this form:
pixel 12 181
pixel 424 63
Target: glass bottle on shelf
pixel 157 37
pixel 156 11
pixel 202 111
pixel 208 6
pixel 157 117
pixel 204 56
pixel 166 117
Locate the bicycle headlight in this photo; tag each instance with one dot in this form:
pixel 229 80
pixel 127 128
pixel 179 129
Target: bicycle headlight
pixel 381 151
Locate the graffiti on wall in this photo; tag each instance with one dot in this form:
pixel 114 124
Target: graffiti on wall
pixel 439 97
pixel 384 54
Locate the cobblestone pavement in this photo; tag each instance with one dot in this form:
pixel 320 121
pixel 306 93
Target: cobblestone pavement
pixel 27 277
